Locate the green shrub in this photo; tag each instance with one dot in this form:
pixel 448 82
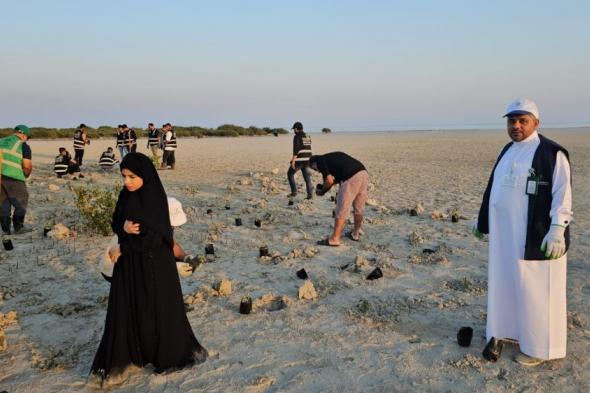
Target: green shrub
pixel 326 130
pixel 96 206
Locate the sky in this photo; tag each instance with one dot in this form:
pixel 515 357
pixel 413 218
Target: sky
pixel 346 65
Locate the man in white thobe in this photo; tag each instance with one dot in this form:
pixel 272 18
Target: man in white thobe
pixel 526 210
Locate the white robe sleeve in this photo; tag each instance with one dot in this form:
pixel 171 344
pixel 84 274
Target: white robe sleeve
pixel 106 265
pixel 561 207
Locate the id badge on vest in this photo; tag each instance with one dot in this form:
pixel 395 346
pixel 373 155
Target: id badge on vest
pixel 532 183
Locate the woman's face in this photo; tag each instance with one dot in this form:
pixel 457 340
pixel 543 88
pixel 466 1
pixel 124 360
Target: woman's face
pixel 131 181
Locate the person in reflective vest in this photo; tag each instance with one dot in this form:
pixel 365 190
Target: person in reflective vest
pixel 64 165
pixel 122 141
pixel 300 160
pixel 16 162
pixel 131 138
pixel 169 142
pixel 80 141
pixel 154 143
pixel 107 159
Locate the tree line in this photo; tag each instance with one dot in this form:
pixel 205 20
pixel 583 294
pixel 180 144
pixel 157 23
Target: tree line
pixel 111 132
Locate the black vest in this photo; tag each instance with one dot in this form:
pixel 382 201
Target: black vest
pixel 154 137
pixel 538 219
pixel 122 139
pixel 131 137
pixel 61 165
pixel 107 160
pixel 302 147
pixel 79 143
pixel 172 142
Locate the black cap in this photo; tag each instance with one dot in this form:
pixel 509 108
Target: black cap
pixel 297 126
pixel 82 125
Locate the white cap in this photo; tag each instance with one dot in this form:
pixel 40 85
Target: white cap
pixel 177 216
pixel 522 106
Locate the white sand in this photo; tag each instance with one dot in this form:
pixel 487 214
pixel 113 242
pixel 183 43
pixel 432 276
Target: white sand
pixel 393 334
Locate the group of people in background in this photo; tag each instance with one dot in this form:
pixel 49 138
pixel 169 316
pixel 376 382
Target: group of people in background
pixel 126 142
pixel 164 140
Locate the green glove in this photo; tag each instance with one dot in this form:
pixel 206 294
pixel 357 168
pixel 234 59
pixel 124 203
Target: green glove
pixel 553 245
pixel 476 232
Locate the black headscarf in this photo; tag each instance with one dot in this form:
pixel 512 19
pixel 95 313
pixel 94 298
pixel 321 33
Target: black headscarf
pixel 148 205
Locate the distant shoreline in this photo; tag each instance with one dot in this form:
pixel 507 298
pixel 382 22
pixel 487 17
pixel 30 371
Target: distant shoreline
pixel 366 133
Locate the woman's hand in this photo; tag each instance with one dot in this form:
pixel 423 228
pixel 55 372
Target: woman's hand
pixel 131 227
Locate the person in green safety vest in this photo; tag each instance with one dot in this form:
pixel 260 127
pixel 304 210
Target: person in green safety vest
pixel 16 164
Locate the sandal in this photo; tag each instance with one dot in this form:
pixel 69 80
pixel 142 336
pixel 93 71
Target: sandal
pixel 349 235
pixel 326 242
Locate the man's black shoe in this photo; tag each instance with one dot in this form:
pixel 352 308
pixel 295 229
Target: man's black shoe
pixel 493 350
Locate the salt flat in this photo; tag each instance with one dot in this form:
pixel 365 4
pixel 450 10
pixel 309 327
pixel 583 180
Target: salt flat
pixel 396 333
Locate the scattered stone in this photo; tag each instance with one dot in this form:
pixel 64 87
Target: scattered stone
pixel 357 266
pixel 198 297
pixel 310 252
pixel 414 340
pixel 265 260
pixel 262 381
pixel 295 253
pixel 417 210
pixel 60 232
pixel 8 319
pixel 270 302
pixel 575 320
pixel 437 215
pixel 275 171
pixel 207 291
pixel 277 257
pixel 3 343
pixel 244 181
pixel 188 299
pixel 223 288
pixel 415 238
pixel 372 202
pixel 307 291
pixel 360 261
pixel 53 187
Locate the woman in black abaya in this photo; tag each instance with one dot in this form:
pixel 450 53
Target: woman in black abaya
pixel 146 321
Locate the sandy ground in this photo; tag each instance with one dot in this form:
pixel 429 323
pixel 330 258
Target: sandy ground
pixel 397 333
